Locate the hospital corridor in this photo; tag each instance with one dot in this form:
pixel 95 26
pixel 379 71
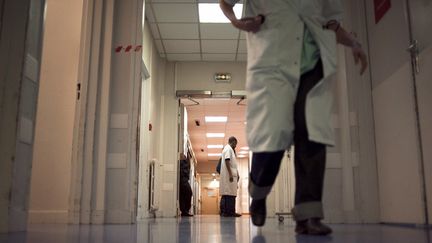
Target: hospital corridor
pixel 135 121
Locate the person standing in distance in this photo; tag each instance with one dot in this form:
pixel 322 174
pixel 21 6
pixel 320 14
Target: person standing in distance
pixel 229 177
pixel 291 64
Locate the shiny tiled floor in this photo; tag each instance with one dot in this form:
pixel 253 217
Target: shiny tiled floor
pixel 211 229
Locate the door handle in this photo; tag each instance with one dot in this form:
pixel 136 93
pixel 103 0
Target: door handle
pixel 413 49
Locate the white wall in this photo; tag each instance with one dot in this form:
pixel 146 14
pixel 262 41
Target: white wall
pixel 56 110
pixel 199 76
pixel 151 113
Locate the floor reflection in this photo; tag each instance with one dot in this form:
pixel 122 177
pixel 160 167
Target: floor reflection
pixel 212 229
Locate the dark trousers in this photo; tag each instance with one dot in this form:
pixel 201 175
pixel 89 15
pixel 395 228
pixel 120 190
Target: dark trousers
pixel 185 198
pixel 309 160
pixel 227 205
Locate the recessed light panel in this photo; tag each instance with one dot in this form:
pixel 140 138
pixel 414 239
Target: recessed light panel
pixel 215 135
pixel 211 13
pixel 216 119
pixel 214 155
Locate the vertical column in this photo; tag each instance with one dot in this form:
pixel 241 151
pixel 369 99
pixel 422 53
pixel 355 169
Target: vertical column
pixel 19 75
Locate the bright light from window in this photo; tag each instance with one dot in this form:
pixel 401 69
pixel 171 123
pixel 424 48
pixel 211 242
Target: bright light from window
pixel 214 155
pixel 243 152
pixel 242 156
pixel 215 135
pixel 244 148
pixel 216 119
pixel 211 13
pixel 215 146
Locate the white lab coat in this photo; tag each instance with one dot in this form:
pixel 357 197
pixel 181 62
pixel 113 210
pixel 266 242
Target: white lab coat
pixel 225 186
pixel 273 71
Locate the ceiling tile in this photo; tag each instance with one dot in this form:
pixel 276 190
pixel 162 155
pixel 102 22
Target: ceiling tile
pixel 208 1
pixel 184 57
pixel 242 48
pixel 155 31
pixel 215 126
pixel 216 111
pixel 219 46
pixel 173 1
pixel 179 31
pixel 218 57
pixel 173 12
pixel 237 117
pixel 241 57
pixel 182 46
pixel 218 31
pixel 243 35
pixel 215 141
pixel 216 102
pixel 192 109
pixel 213 1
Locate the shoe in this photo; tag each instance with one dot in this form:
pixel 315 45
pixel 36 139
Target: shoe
pixel 312 226
pixel 231 215
pixel 258 212
pixel 186 215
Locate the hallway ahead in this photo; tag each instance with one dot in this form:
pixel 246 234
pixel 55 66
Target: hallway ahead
pixel 212 229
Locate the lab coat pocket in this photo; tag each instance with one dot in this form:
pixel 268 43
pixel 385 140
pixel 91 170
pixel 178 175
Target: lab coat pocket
pixel 263 49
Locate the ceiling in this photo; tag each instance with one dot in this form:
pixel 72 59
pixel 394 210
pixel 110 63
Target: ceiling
pixel 180 37
pixel 235 126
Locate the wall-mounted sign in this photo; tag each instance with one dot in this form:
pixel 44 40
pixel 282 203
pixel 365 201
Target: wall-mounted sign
pixel 222 77
pixel 381 8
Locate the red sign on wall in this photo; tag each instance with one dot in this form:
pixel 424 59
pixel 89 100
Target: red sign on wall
pixel 381 8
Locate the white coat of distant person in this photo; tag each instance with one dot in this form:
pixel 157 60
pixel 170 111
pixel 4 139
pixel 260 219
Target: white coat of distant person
pixel 229 175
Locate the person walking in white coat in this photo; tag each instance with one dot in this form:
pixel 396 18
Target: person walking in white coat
pixel 290 67
pixel 229 177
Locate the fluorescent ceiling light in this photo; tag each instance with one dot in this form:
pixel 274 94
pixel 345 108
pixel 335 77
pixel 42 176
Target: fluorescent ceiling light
pixel 215 146
pixel 243 152
pixel 216 119
pixel 242 156
pixel 244 148
pixel 215 135
pixel 211 13
pixel 214 155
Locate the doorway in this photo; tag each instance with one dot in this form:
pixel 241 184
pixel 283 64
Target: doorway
pixel 54 129
pixel 401 90
pixel 209 124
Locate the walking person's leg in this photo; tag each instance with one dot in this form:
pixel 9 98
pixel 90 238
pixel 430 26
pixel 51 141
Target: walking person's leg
pixel 309 162
pixel 265 167
pixel 222 206
pixel 230 205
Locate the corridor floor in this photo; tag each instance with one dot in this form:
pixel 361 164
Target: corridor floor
pixel 211 229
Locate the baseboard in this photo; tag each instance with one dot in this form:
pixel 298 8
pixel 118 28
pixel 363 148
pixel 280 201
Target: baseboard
pixel 48 216
pixel 118 217
pixel 17 220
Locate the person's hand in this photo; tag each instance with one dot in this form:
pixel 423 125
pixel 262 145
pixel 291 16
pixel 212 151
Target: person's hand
pixel 249 24
pixel 359 56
